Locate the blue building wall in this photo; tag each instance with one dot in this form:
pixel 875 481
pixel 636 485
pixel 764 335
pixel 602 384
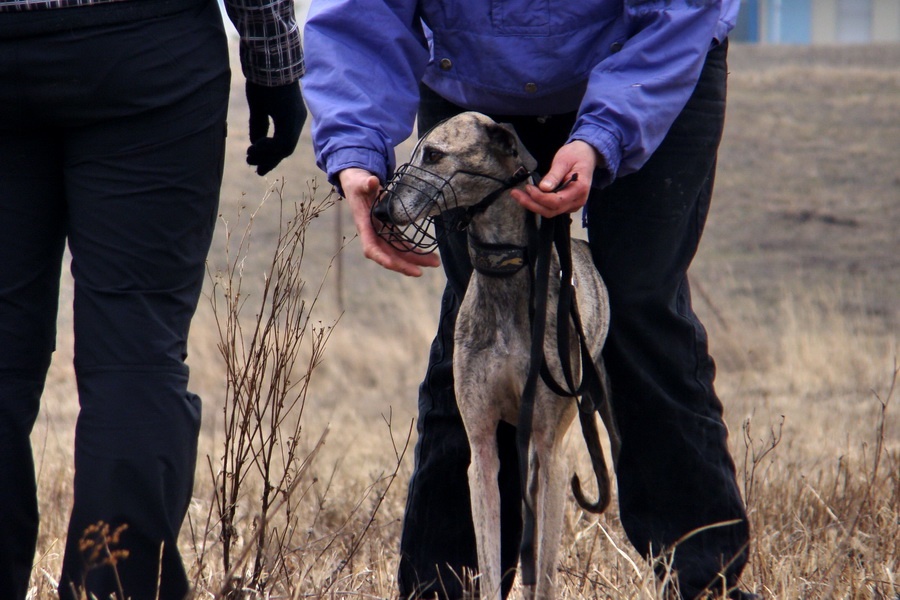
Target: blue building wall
pixel 789 21
pixel 818 21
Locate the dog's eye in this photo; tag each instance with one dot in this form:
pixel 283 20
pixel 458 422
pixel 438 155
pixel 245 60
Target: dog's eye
pixel 431 155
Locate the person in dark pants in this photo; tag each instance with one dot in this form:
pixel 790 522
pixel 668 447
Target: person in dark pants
pixel 642 133
pixel 112 140
pixel 674 471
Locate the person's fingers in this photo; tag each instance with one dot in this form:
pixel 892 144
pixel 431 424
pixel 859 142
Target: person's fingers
pixel 361 189
pixel 284 106
pixel 560 171
pixel 259 125
pixel 566 186
pixel 265 152
pixel 569 199
pixel 384 254
pixel 534 202
pixel 380 251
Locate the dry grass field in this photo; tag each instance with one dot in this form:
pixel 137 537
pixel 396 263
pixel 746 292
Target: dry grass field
pixel 798 282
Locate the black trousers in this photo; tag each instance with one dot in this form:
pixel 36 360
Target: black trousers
pixel 675 473
pixel 111 140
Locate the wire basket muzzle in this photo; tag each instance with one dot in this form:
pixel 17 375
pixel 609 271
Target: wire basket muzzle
pixel 403 214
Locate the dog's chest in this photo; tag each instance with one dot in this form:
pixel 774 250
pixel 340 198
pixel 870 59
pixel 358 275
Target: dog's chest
pixel 498 335
pixel 493 344
pixel 493 316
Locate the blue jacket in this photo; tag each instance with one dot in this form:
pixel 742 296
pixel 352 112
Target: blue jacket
pixel 627 67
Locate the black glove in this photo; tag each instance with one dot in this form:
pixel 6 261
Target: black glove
pixel 284 104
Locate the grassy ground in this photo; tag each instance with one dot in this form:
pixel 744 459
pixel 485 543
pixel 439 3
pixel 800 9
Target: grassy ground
pixel 797 281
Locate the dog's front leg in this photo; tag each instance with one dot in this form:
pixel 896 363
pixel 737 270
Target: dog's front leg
pixel 485 496
pixel 553 416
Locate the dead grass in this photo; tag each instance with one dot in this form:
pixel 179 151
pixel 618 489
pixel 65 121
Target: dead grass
pixel 797 283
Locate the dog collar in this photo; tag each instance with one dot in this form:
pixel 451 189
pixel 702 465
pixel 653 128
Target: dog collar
pixel 497 260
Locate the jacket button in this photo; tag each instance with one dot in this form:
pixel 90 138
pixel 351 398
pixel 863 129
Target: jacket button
pixel 615 46
pixel 446 64
pixel 531 88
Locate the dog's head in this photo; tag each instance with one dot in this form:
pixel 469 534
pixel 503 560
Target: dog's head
pixel 456 164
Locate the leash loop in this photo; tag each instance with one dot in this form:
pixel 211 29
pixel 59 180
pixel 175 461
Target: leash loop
pixel 592 389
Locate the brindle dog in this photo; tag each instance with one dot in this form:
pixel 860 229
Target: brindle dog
pixel 458 164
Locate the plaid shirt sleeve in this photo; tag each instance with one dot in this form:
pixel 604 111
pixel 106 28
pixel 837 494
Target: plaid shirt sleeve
pixel 270 49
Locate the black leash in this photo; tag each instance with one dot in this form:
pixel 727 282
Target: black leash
pixel 539 288
pixel 592 389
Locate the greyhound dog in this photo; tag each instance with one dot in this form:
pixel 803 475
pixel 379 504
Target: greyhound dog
pixel 470 162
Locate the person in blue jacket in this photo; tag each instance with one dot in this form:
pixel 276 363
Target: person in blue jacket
pixel 112 141
pixel 630 96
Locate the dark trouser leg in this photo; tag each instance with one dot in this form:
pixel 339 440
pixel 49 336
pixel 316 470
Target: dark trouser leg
pixel 675 473
pixel 141 132
pixel 32 230
pixel 141 220
pixel 438 542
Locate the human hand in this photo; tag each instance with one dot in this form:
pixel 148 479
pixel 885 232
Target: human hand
pixel 284 104
pixel 573 164
pixel 361 188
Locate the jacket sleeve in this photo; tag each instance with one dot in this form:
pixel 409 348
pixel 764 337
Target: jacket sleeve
pixel 270 49
pixel 635 94
pixel 365 60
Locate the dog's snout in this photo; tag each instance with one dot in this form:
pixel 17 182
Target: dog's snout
pixel 381 211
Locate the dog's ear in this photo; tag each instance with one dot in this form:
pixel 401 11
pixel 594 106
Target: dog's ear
pixel 502 138
pixel 505 142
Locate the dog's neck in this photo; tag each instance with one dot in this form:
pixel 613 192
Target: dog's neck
pixel 498 239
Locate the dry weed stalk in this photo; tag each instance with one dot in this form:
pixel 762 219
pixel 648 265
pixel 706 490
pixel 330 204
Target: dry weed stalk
pixel 264 393
pixel 754 455
pixel 357 538
pixel 266 541
pixel 844 552
pixel 833 532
